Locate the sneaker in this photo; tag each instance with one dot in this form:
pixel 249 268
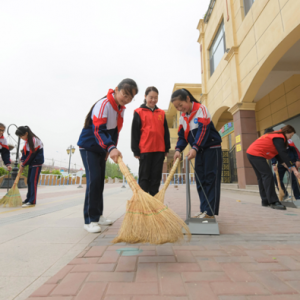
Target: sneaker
pixel 204 216
pixel 92 227
pixel 197 215
pixel 24 202
pixel 265 204
pixel 277 205
pixel 28 204
pixel 104 221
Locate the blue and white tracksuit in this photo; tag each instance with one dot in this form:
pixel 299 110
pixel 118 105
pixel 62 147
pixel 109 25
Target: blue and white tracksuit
pixel 95 142
pixel 34 160
pixel 198 130
pixel 4 150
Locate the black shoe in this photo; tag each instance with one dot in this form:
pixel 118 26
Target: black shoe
pixel 278 205
pixel 265 204
pixel 24 202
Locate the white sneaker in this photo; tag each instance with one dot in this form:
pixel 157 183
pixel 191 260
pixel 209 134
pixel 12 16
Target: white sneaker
pixel 197 215
pixel 92 227
pixel 27 204
pixel 104 221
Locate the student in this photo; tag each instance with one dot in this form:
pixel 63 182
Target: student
pixel 32 156
pixel 4 150
pixel 150 141
pixel 294 156
pixel 98 139
pixel 272 144
pixel 197 129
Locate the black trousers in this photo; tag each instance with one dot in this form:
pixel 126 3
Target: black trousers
pixel 94 164
pixel 265 179
pixel 150 171
pixel 208 166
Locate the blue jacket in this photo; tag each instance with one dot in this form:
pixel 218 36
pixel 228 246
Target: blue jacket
pixel 103 133
pixel 197 129
pixel 4 150
pixel 35 158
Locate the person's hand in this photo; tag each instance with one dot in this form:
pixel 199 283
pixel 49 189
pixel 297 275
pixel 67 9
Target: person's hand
pixel 275 168
pixel 192 154
pixel 285 166
pixel 21 169
pixel 176 155
pixel 297 174
pixel 106 156
pixel 137 157
pixel 114 154
pixel 9 168
pixel 297 164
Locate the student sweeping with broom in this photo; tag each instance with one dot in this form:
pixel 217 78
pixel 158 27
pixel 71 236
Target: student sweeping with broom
pixel 32 156
pixel 150 141
pixel 4 150
pixel 197 129
pixel 272 144
pixel 98 139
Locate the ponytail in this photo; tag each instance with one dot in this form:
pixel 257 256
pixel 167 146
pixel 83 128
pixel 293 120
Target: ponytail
pixel 284 130
pixel 21 131
pixel 182 95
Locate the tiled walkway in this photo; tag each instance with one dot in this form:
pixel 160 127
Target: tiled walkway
pixel 256 257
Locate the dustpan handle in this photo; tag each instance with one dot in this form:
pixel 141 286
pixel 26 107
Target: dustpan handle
pixel 171 174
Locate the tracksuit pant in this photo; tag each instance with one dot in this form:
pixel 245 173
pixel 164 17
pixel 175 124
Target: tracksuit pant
pixel 265 179
pixel 94 164
pixel 150 171
pixel 32 183
pixel 295 187
pixel 208 167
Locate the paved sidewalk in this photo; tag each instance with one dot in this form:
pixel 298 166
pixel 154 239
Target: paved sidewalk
pixel 256 257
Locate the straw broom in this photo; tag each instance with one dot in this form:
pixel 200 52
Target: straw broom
pixel 147 220
pixel 161 194
pixel 281 192
pixel 13 197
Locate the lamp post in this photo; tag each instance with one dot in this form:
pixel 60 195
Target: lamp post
pixel 70 151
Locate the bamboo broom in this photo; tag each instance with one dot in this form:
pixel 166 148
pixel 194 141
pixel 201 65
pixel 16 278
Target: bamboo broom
pixel 281 192
pixel 147 220
pixel 161 194
pixel 13 197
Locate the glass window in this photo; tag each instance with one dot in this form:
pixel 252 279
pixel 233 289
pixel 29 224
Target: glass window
pixel 217 49
pixel 247 5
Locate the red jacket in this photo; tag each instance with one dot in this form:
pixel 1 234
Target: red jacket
pixel 150 131
pixel 264 147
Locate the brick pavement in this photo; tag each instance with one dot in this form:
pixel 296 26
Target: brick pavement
pixel 256 257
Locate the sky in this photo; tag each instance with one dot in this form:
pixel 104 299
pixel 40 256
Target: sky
pixel 57 58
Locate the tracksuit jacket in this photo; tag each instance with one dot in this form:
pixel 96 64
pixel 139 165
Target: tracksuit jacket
pixel 4 150
pixel 33 159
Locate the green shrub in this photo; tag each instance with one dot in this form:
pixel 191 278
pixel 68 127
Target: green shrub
pixel 3 171
pixel 83 175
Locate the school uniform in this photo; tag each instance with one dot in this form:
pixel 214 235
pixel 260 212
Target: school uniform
pixel 294 156
pixel 198 130
pixel 95 142
pixel 150 140
pixel 266 147
pixel 34 160
pixel 4 150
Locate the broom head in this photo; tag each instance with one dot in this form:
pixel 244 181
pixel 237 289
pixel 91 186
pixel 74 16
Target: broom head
pixel 12 198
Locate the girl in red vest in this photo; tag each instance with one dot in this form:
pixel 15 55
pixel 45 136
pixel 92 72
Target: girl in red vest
pixel 150 141
pixel 271 145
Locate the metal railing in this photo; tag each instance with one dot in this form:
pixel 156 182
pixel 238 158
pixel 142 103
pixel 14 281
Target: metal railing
pixel 179 178
pixel 57 180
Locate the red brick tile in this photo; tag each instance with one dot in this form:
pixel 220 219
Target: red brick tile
pixel 82 253
pixel 50 298
pixel 263 267
pixel 44 290
pixel 288 275
pixel 238 288
pixel 132 288
pixel 204 276
pixel 236 272
pixel 210 266
pixel 157 259
pixel 260 257
pixel 234 259
pixel 147 253
pixel 280 252
pixel 295 285
pixel 233 250
pixel 274 297
pixel 117 298
pixel 184 256
pixel 146 248
pixel 201 291
pixel 94 268
pixel 159 298
pixel 289 263
pixel 70 284
pixel 83 261
pixel 109 257
pixel 60 275
pixel 111 276
pixel 273 283
pixel 95 251
pixel 147 272
pixel 126 264
pixel 164 250
pixel 179 267
pixel 189 248
pixel 172 284
pixel 91 291
pixel 210 253
pixel 233 298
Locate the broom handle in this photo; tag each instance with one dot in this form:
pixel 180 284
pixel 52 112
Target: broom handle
pixel 171 174
pixel 278 182
pixel 17 178
pixel 130 179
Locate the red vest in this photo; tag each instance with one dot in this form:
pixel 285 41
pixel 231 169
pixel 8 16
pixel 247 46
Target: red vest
pixel 264 146
pixel 152 130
